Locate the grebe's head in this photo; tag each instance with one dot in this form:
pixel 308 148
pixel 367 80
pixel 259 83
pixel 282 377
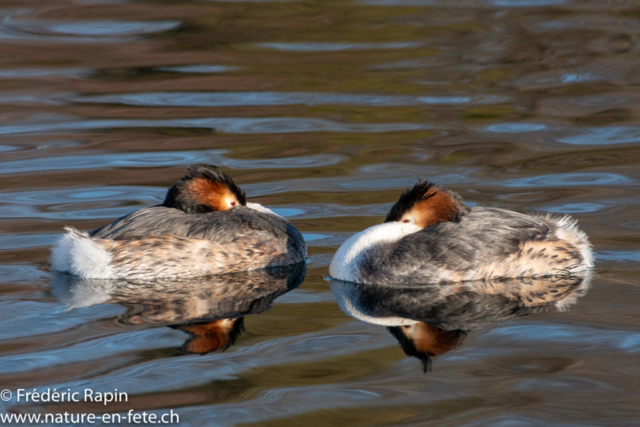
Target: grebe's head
pixel 426 204
pixel 204 189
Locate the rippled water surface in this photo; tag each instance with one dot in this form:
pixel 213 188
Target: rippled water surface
pixel 323 111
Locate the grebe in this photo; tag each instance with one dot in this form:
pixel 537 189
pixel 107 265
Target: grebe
pixel 431 236
pixel 203 227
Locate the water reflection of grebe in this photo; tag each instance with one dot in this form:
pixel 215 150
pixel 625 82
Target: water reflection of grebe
pixel 431 320
pixel 431 236
pixel 203 227
pixel 210 310
pixel 218 335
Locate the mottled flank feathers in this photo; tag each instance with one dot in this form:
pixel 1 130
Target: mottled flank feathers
pixel 137 246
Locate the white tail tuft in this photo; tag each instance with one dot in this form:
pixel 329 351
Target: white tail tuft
pixel 80 255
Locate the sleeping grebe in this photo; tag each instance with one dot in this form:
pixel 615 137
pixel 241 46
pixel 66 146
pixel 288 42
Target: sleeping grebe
pixel 431 236
pixel 203 227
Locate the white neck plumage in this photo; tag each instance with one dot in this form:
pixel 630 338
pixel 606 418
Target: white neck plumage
pixel 344 265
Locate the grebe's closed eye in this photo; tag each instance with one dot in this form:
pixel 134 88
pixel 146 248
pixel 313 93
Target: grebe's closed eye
pixel 431 236
pixel 204 226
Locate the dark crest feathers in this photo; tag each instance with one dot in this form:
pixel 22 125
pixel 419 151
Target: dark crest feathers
pixel 178 198
pixel 421 191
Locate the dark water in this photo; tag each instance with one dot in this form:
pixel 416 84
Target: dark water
pixel 323 111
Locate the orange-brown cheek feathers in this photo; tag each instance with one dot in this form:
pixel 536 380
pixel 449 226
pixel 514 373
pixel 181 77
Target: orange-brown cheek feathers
pixel 214 195
pixel 204 189
pixel 427 204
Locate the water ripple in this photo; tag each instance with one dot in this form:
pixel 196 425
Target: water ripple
pixel 89 31
pixel 568 179
pixel 604 135
pixel 191 370
pixel 109 28
pixel 620 256
pixel 230 99
pixel 227 125
pixel 199 69
pixel 336 47
pixel 38 318
pixel 515 127
pixel 24 241
pixel 560 334
pixel 93 349
pixel 155 158
pixel 575 207
pixel 476 4
pixel 45 72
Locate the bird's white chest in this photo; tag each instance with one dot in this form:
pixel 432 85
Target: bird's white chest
pixel 345 263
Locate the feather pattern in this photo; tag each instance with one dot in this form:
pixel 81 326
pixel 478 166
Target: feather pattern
pixel 166 242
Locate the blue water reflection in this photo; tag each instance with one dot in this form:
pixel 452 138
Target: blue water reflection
pixel 228 99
